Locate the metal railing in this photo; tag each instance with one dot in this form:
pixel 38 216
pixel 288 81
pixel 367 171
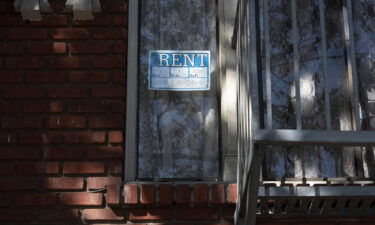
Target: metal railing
pixel 254 133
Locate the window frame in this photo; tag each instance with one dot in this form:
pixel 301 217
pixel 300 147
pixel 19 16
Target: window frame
pixel 227 123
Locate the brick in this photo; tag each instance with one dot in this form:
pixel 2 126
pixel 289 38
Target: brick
pixel 6 200
pixel 7 153
pixel 23 122
pixel 7 215
pixel 108 62
pixel 99 21
pixel 70 33
pixel 10 48
pixel 89 48
pixel 68 62
pixel 7 107
pixel 81 199
pixel 118 107
pixel 201 194
pixel 88 107
pixel 102 214
pixel 2 7
pixel 228 213
pixel 232 193
pixel 67 92
pixel 147 194
pixel 109 33
pixel 18 183
pixel 88 77
pixel 119 48
pixel 27 34
pixel 6 168
pixel 182 194
pixel 59 122
pixel 2 34
pixel 120 20
pixel 119 77
pixel 149 214
pixel 105 152
pixel 83 167
pixel 116 137
pixel 40 138
pixel 51 21
pixel 11 21
pixel 108 92
pixel 43 107
pixel 113 195
pixel 217 194
pixel 63 183
pixel 63 153
pixel 45 77
pixel 165 194
pixel 61 214
pixel 84 137
pixel 25 63
pixel 114 6
pixel 130 194
pixel 106 122
pixel 23 92
pixel 196 213
pixel 8 138
pixel 10 77
pixel 57 6
pixel 38 168
pixel 101 182
pixel 46 48
pixel 31 199
pixel 115 167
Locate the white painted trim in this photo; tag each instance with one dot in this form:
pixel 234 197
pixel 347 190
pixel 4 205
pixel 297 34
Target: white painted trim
pixel 130 165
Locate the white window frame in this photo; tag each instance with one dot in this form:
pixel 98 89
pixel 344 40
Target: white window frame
pixel 228 113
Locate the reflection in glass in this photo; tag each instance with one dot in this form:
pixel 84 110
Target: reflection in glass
pixel 178 130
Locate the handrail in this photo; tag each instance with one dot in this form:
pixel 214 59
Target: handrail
pixel 314 137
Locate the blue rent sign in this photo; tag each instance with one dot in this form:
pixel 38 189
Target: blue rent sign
pixel 179 70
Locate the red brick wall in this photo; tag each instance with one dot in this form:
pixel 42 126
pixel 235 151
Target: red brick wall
pixel 62 92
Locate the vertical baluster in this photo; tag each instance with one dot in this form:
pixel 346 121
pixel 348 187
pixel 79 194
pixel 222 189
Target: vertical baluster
pixel 327 101
pixel 268 65
pixel 353 91
pixel 296 65
pixel 240 167
pixel 247 75
pixel 351 61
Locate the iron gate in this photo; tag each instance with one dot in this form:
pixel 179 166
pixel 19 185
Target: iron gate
pixel 255 116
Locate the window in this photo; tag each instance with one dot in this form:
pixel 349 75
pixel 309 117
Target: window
pixel 176 134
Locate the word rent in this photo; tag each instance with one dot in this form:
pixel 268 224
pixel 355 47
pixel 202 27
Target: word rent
pixel 179 70
pixel 181 59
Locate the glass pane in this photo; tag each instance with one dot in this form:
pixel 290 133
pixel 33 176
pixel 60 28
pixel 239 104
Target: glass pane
pixel 178 130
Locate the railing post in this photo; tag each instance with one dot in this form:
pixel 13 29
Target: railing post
pixel 250 110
